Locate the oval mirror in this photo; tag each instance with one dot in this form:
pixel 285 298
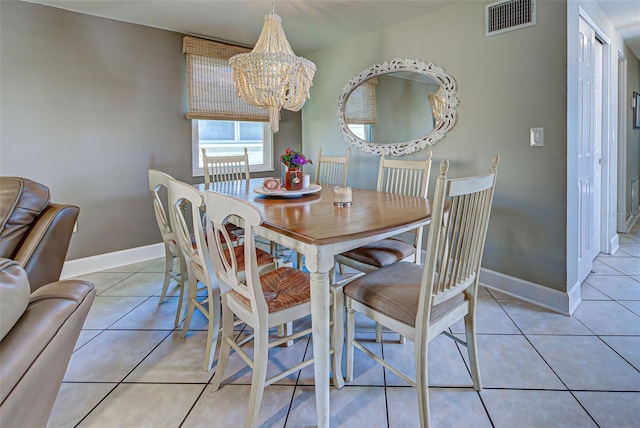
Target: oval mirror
pixel 398 107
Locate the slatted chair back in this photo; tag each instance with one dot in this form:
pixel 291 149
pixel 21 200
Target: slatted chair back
pixel 402 177
pixel 332 170
pixel 409 178
pixel 460 239
pixel 225 168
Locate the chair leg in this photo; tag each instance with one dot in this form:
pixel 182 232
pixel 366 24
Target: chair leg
pixel 286 330
pixel 168 267
pixel 351 326
pixel 225 348
pixel 472 348
pixel 422 382
pixel 341 267
pixel 192 288
pixel 337 336
pixel 299 264
pixel 258 380
pixel 214 328
pixel 378 332
pixel 183 276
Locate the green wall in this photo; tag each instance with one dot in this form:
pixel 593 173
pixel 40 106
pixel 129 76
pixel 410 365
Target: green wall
pixel 507 84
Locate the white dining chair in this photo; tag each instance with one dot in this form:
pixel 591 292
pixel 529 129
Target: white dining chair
pixel 402 177
pixel 420 302
pixel 261 299
pixel 225 168
pixel 157 181
pixel 187 202
pixel 332 170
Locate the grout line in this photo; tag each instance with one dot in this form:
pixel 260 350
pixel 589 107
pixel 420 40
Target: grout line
pixel 385 386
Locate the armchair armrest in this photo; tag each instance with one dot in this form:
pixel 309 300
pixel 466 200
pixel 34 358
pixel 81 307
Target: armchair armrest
pixel 36 351
pixel 43 251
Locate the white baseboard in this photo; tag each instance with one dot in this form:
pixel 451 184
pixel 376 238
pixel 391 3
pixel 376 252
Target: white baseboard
pixel 614 244
pixel 555 300
pixel 77 267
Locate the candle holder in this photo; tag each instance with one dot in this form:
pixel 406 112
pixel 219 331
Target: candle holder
pixel 342 196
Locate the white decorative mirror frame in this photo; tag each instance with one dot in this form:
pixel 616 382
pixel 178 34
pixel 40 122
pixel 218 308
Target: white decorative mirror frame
pixel 449 118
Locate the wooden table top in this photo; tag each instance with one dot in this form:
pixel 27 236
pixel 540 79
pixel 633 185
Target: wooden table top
pixel 313 219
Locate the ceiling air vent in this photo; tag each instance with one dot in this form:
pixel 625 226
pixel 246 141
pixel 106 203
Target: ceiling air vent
pixel 503 16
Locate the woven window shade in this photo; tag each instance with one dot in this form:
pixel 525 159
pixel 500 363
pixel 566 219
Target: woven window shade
pixel 211 90
pixel 361 105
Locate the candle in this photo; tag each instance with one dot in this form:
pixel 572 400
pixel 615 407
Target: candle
pixel 342 196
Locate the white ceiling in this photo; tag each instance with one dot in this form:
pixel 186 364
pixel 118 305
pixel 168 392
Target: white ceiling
pixel 309 25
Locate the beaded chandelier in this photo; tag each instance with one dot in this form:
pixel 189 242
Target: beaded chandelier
pixel 271 75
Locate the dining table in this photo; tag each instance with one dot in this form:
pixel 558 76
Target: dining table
pixel 310 223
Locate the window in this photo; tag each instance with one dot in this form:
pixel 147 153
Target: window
pixel 361 130
pixel 222 123
pixel 227 137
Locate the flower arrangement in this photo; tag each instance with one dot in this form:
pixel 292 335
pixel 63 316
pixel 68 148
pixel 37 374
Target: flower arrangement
pixel 292 159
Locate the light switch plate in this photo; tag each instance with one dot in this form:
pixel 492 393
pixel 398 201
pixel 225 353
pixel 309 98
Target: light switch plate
pixel 536 137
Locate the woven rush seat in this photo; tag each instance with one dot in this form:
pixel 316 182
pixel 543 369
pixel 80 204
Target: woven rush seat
pixel 262 256
pixel 381 253
pixel 235 232
pixel 283 288
pixel 400 301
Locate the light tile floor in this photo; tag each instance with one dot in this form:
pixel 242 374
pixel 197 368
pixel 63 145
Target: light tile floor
pixel 539 369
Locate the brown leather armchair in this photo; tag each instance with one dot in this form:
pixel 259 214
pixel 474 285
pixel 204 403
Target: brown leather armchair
pixel 33 231
pixel 38 332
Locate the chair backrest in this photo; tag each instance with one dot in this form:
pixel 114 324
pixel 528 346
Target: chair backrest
pixel 157 181
pixel 404 177
pixel 245 283
pixel 409 178
pixel 185 204
pixel 332 170
pixel 454 251
pixel 225 168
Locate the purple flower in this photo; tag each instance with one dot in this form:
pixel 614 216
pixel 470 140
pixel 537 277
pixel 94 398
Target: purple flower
pixel 292 159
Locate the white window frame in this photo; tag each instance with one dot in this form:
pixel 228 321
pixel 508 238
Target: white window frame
pixel 366 128
pixel 267 149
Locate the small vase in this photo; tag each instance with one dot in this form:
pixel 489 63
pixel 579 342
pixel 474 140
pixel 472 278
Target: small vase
pixel 293 179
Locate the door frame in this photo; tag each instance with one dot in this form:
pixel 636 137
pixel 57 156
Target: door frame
pixel 610 165
pixel 623 216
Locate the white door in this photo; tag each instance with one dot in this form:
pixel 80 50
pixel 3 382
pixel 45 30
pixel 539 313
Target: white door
pixel 589 148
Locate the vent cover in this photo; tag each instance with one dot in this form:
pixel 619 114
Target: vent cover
pixel 503 16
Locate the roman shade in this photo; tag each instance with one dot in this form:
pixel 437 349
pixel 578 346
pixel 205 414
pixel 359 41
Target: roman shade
pixel 361 105
pixel 212 93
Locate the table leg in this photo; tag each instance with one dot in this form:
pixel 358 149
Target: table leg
pixel 321 346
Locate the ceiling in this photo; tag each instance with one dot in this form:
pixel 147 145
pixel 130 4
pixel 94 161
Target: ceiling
pixel 309 25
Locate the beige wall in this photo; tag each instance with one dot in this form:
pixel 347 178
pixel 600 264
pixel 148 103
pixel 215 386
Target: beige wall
pixel 507 84
pixel 88 106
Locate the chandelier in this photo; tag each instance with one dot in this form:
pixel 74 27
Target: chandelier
pixel 271 75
